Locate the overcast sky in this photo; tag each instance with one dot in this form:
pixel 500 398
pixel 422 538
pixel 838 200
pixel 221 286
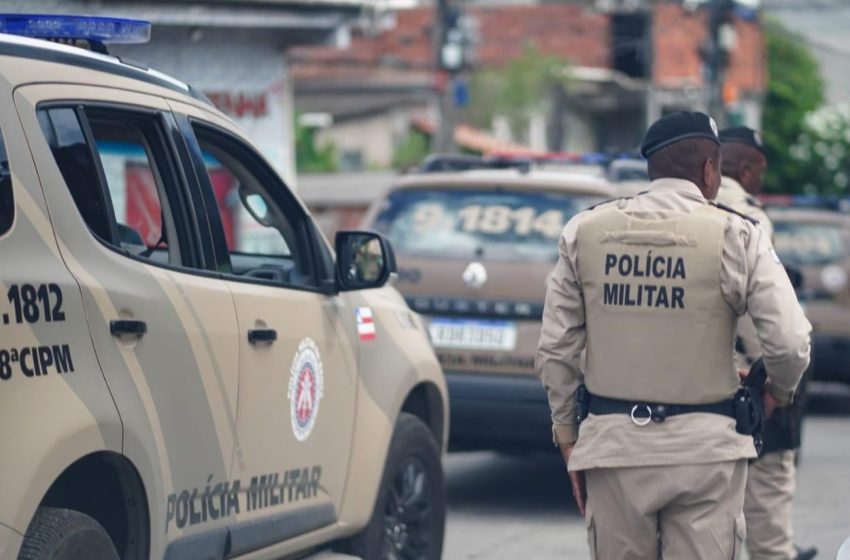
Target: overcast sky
pixel 825 27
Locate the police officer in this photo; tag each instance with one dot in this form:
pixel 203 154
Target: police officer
pixel 771 479
pixel 650 288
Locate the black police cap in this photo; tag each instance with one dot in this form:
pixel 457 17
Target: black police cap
pixel 675 127
pixel 742 135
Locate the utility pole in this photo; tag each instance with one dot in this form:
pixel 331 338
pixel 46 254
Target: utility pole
pixel 455 38
pixel 443 141
pixel 721 39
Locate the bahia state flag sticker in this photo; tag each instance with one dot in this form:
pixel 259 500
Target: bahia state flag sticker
pixel 365 323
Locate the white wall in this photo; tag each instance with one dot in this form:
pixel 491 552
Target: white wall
pixel 376 137
pixel 235 65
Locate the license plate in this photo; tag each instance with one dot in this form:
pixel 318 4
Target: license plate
pixel 463 334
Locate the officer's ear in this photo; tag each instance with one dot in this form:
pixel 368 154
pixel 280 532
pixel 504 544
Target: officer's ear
pixel 711 174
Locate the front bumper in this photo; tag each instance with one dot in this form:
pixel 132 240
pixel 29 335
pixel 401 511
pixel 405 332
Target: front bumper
pixel 831 358
pixel 499 412
pixel 10 542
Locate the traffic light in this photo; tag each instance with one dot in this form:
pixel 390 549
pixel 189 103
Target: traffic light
pixel 458 38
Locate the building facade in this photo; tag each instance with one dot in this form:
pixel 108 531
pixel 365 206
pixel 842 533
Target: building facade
pixel 234 51
pixel 627 63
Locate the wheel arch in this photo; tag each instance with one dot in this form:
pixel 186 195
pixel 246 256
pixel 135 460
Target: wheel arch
pixel 107 487
pixel 425 401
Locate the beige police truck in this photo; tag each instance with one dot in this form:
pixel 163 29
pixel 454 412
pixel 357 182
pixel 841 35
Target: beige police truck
pixel 187 371
pixel 476 241
pixel 816 240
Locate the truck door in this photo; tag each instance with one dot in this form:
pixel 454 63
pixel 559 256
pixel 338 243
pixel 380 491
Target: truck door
pixel 164 330
pixel 298 367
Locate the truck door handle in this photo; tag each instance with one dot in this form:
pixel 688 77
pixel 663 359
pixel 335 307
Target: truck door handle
pixel 256 336
pixel 128 327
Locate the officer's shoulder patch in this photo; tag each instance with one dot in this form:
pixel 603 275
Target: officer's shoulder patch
pixel 733 211
pixel 620 201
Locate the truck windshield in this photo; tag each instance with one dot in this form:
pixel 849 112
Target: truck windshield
pixel 811 243
pixel 492 224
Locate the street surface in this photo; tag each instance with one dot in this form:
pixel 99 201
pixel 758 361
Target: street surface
pixel 511 508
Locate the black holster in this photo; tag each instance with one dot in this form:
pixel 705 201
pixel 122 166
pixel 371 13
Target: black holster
pixel 749 405
pixel 582 403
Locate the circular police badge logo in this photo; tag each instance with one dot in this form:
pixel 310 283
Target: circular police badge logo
pixel 306 388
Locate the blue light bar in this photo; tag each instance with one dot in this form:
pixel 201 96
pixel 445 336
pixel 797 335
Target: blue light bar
pixel 102 30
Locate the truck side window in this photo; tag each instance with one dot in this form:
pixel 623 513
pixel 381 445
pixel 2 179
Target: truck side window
pixel 7 202
pixel 264 228
pixel 114 178
pixel 68 143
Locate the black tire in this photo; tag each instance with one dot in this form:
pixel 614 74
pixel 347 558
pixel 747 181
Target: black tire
pixel 396 532
pixel 65 534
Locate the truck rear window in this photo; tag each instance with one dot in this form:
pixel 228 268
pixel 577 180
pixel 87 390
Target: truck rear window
pixel 488 223
pixel 811 244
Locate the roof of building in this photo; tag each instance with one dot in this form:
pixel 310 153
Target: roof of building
pixel 574 32
pixel 569 31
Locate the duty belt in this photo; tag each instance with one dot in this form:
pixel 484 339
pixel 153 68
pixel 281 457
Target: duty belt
pixel 642 413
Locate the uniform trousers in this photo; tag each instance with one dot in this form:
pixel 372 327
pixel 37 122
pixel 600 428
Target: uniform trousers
pixel 767 507
pixel 690 511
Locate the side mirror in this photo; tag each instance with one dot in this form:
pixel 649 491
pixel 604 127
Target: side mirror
pixel 795 276
pixel 364 259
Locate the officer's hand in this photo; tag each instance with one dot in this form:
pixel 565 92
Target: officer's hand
pixel 576 479
pixel 770 404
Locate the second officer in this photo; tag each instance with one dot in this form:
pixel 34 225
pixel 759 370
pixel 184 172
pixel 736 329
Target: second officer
pixel 770 479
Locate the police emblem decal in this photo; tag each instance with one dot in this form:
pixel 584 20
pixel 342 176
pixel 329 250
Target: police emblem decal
pixel 475 275
pixel 306 388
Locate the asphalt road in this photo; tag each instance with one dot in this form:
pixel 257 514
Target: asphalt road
pixel 520 508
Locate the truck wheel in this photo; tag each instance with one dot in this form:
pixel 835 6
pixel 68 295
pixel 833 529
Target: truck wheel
pixel 410 511
pixel 65 534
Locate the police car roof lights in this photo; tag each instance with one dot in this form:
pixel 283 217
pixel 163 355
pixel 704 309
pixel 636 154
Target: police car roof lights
pixel 95 30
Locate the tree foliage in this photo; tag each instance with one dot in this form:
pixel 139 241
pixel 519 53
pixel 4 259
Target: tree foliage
pixel 517 89
pixel 411 151
pixel 823 149
pixel 309 156
pixel 794 89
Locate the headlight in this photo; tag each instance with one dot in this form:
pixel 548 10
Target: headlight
pixel 833 278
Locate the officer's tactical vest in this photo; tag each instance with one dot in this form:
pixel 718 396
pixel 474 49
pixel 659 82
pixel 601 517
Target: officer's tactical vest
pixel 658 328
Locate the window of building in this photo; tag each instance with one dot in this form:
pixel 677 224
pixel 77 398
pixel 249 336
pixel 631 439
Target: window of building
pixel 351 160
pixel 631 45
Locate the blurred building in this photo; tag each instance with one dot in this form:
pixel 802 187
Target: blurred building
pixel 630 62
pixel 232 50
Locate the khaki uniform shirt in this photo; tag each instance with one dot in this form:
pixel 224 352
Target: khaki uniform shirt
pixel 752 281
pixel 733 195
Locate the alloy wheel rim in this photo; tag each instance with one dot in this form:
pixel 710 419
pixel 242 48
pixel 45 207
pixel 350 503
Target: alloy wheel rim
pixel 407 523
